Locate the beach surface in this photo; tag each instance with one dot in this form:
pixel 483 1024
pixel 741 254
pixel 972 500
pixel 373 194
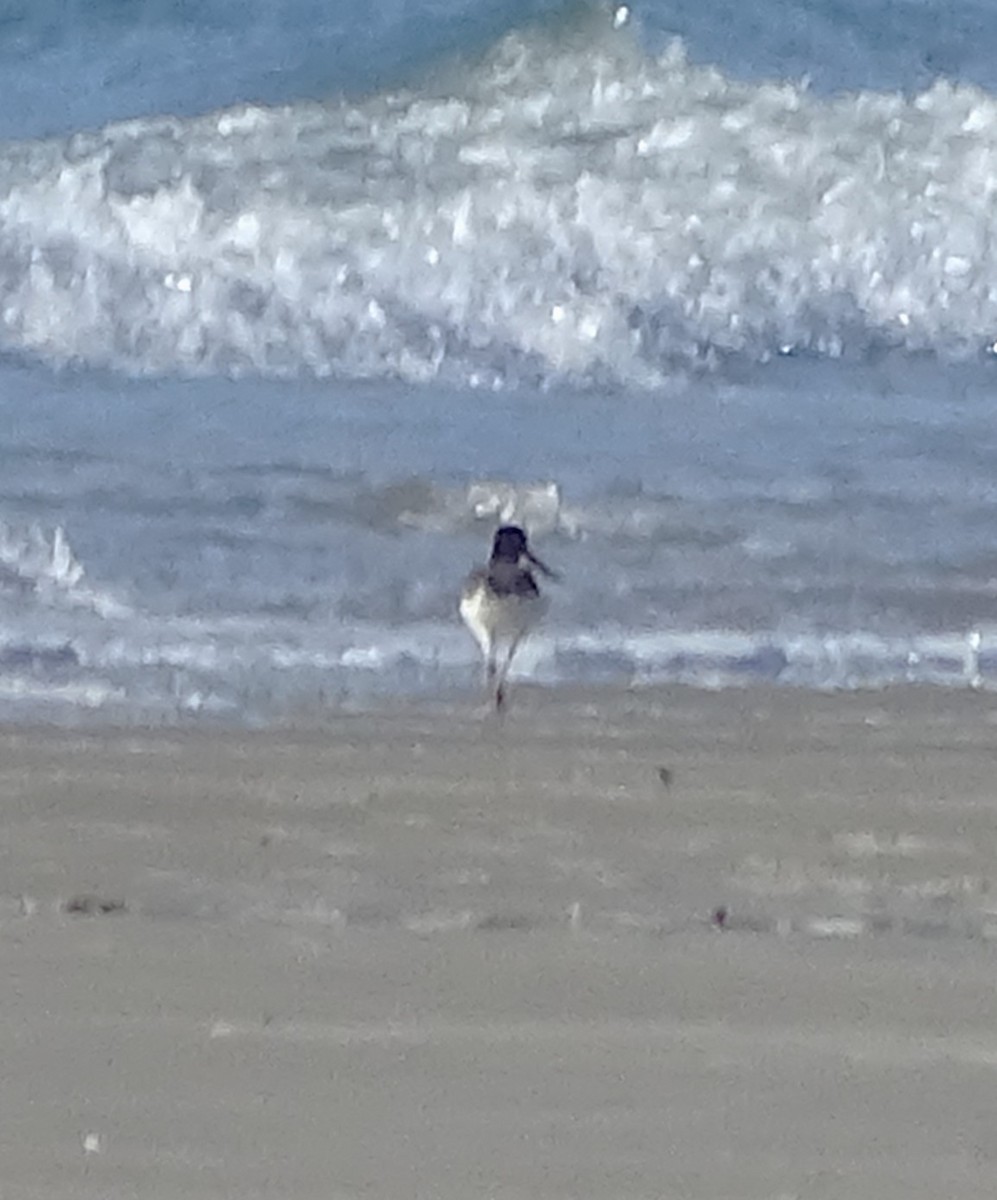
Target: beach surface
pixel 621 944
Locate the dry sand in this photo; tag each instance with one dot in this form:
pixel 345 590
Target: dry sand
pixel 424 955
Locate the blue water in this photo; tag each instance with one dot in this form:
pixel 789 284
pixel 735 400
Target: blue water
pixel 296 302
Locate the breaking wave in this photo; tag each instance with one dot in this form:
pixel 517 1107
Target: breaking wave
pixel 570 209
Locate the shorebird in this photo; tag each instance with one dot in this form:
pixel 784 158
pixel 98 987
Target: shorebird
pixel 501 603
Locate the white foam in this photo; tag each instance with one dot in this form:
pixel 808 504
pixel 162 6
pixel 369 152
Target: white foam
pixel 572 209
pixel 42 561
pixel 30 693
pixel 537 507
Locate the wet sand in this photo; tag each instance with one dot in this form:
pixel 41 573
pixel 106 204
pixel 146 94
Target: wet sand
pixel 651 944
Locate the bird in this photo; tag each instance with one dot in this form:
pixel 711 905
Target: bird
pixel 501 603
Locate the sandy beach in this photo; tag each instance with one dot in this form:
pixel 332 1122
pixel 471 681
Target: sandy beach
pixel 624 944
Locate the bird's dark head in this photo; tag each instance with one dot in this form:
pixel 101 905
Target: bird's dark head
pixel 509 544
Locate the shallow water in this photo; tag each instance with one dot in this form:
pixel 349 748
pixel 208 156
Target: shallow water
pixel 727 534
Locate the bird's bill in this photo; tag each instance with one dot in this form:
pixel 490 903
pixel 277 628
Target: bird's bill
pixel 542 566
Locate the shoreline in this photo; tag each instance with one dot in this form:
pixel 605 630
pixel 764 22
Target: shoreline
pixel 543 699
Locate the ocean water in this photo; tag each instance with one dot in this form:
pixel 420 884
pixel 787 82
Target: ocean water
pixel 296 302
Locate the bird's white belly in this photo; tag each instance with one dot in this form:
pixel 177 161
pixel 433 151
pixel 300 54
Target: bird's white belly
pixel 494 619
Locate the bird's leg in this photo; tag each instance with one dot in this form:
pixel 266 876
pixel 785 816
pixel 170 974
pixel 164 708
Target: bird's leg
pixel 501 678
pixel 514 646
pixel 497 684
